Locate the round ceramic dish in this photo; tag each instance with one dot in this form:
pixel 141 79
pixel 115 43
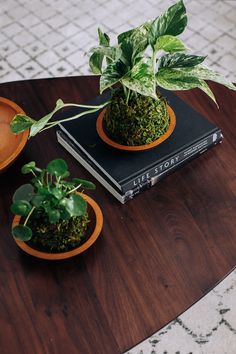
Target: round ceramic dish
pixel 10 144
pixel 107 140
pixel 94 230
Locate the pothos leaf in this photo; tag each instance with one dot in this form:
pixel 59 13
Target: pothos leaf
pixel 180 79
pixel 169 44
pixel 20 123
pixel 179 60
pixel 141 79
pixel 204 73
pixel 104 39
pixel 112 74
pixel 171 22
pixel 95 62
pixel 133 43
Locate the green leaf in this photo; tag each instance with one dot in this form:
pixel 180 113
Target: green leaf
pixel 99 53
pixel 169 44
pixel 138 32
pixel 57 167
pixel 30 167
pixel 133 43
pixel 21 207
pixel 64 214
pixel 58 193
pixel 54 216
pixel 171 22
pixel 104 39
pixel 22 232
pixel 24 192
pixel 141 79
pixel 37 200
pixel 112 74
pixel 179 60
pixel 96 59
pixel 20 123
pixel 84 183
pixel 204 73
pixel 95 62
pixel 181 79
pixel 75 205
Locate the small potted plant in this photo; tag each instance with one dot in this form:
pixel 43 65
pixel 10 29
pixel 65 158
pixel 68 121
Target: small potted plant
pixel 144 59
pixel 53 220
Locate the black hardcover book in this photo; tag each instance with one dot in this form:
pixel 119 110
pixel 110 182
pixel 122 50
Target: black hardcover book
pixel 125 173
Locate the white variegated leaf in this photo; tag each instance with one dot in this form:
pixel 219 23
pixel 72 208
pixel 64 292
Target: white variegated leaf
pixel 112 74
pixel 202 72
pixel 141 79
pixel 169 43
pixel 179 79
pixel 173 21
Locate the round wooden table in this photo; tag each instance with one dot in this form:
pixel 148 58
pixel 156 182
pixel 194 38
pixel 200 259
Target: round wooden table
pixel 157 255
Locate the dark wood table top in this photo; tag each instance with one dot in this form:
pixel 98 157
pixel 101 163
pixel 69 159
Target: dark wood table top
pixel 157 254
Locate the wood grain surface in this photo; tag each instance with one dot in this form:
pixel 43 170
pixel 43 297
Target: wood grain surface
pixel 157 254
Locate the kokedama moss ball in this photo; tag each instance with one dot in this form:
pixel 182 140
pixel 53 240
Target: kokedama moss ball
pixel 140 122
pixel 60 237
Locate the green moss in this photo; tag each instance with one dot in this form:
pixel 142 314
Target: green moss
pixel 140 122
pixel 60 237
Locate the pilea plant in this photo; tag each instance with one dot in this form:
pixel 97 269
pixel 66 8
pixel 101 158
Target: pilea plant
pixel 143 59
pixel 54 217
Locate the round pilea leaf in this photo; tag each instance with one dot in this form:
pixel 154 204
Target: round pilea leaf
pixel 24 192
pixel 22 232
pixel 57 167
pixel 29 167
pixel 21 207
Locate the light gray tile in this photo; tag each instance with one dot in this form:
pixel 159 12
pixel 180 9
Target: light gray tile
pixel 40 30
pixel 29 21
pixel 6 48
pixel 47 59
pixel 12 29
pixel 52 39
pixel 35 48
pixel 18 12
pixel 66 48
pixel 62 68
pixel 68 30
pixel 23 38
pixel 18 58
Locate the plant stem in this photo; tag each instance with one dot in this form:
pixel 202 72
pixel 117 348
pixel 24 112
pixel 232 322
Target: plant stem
pixel 154 62
pixel 74 189
pixel 52 124
pixel 127 98
pixel 28 216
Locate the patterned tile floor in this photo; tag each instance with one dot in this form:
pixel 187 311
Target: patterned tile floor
pixel 45 38
pixel 48 38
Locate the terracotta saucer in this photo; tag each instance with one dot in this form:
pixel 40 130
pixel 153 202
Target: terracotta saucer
pixel 10 144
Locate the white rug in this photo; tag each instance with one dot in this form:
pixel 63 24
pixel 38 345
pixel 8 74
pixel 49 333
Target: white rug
pixel 208 327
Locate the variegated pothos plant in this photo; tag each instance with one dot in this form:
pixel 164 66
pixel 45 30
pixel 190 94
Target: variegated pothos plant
pixel 169 66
